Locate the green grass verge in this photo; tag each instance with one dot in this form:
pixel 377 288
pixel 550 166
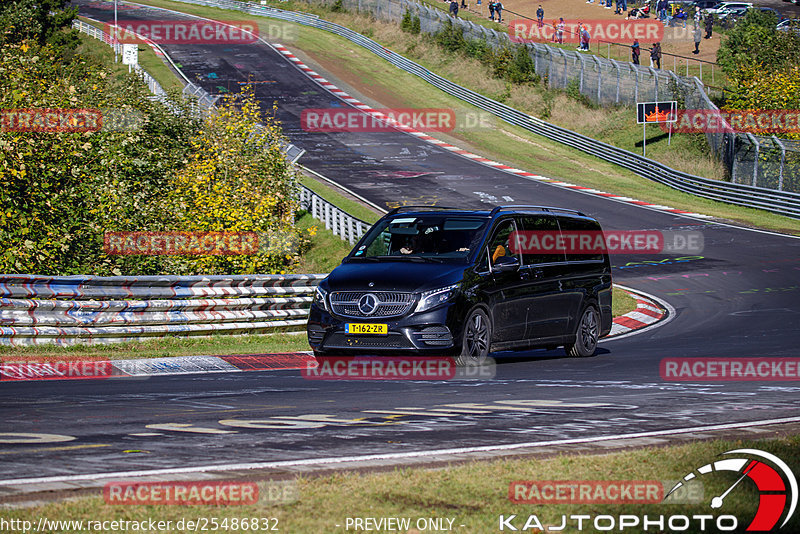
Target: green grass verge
pixel 218 345
pixel 472 494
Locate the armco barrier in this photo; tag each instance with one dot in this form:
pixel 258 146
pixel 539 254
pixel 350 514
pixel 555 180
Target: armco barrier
pixel 339 222
pixel 781 202
pixel 66 310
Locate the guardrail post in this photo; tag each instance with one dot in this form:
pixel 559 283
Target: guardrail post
pixel 616 66
pixel 783 161
pixel 636 87
pixel 599 76
pixel 655 82
pixel 755 160
pixel 580 85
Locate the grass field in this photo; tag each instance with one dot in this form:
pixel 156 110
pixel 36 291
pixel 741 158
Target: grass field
pixel 473 495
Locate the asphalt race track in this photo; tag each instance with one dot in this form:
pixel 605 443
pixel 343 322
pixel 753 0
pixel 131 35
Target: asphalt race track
pixel 739 298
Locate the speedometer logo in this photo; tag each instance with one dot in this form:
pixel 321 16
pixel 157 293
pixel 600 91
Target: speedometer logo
pixel 777 486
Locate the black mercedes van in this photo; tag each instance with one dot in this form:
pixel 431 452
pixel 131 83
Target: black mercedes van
pixel 452 282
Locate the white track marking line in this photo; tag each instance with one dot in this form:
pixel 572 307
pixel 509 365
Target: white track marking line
pixel 392 456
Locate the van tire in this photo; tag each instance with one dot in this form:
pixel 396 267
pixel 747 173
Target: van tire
pixel 476 339
pixel 587 333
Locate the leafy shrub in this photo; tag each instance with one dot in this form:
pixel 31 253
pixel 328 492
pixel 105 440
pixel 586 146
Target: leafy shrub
pixel 416 25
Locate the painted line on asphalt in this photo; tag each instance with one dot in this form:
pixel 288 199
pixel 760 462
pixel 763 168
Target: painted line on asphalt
pixel 392 456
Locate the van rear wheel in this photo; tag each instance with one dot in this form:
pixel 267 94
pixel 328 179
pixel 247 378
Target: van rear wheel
pixel 586 334
pixel 476 339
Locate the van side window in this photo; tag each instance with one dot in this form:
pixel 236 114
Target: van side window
pixel 537 240
pixel 500 244
pixel 583 227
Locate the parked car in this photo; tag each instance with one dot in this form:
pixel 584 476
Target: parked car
pixel 789 25
pixel 775 12
pixel 450 282
pixel 724 9
pixel 704 5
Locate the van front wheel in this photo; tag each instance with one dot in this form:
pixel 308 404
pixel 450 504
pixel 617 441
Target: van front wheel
pixel 586 335
pixel 476 339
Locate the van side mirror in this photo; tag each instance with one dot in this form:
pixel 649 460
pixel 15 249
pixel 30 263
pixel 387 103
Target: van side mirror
pixel 505 264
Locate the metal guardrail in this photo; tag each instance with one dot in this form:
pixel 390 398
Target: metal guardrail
pixel 339 222
pixel 780 202
pixel 67 310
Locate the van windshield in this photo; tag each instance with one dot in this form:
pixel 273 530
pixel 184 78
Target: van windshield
pixel 434 237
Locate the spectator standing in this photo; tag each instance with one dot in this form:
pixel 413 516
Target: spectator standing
pixel 464 4
pixel 655 55
pixel 635 52
pixel 585 38
pixel 709 25
pixel 491 10
pixel 558 36
pixel 540 16
pixel 624 4
pixel 454 8
pixel 498 8
pixel 662 7
pixel 698 36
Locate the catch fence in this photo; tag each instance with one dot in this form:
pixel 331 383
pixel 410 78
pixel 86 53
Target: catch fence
pixel 754 160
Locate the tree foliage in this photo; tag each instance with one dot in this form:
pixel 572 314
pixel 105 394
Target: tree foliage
pixel 762 64
pixel 61 192
pixel 44 21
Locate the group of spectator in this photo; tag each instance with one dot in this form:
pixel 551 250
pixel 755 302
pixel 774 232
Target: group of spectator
pixel 662 8
pixel 495 8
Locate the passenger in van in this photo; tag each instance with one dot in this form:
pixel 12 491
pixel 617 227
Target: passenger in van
pixel 498 252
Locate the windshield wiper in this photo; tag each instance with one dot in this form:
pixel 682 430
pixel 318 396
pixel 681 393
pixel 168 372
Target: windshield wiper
pixel 415 257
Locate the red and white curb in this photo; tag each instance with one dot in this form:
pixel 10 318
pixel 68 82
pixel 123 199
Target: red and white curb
pixel 18 369
pixel 647 313
pixel 460 151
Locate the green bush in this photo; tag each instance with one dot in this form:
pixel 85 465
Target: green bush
pixel 574 91
pixel 416 26
pixel 61 192
pixel 406 22
pixel 450 37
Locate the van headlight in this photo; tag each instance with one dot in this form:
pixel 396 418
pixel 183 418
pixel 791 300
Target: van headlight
pixel 321 298
pixel 434 297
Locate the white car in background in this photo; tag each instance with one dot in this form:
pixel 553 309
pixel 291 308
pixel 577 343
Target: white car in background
pixel 789 25
pixel 725 9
